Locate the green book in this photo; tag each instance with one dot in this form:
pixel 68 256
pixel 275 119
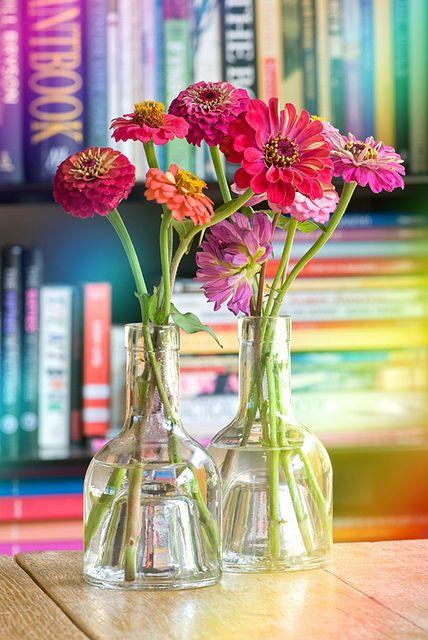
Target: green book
pixel 400 35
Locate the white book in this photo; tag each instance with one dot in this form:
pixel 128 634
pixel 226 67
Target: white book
pixel 118 377
pixel 55 366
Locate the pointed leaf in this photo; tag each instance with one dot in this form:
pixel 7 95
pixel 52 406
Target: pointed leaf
pixel 190 323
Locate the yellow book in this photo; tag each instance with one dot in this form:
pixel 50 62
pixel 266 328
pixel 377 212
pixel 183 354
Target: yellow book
pixel 383 75
pixel 269 48
pixel 361 282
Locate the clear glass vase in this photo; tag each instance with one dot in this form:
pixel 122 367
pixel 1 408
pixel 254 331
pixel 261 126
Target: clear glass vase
pixel 152 494
pixel 276 474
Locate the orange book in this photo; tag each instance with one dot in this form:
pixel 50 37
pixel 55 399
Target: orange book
pixel 34 531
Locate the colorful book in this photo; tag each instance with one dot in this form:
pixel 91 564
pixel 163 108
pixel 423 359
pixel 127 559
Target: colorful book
pixel 367 52
pixel 383 72
pixel 383 219
pixel 96 359
pixel 332 267
pixel 29 418
pixel 96 74
pixel 352 51
pixel 40 486
pixel 113 89
pixel 41 531
pixel 376 234
pixel 54 85
pixel 418 94
pixel 11 350
pixel 336 67
pixel 269 48
pixel 401 42
pixel 308 21
pixel 56 312
pixel 11 94
pixel 117 378
pixel 239 44
pixel 34 508
pixel 292 64
pixel 411 248
pixel 323 59
pixel 178 69
pixel 12 548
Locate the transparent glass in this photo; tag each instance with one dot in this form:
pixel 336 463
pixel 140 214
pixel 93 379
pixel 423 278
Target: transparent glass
pixel 276 474
pixel 152 494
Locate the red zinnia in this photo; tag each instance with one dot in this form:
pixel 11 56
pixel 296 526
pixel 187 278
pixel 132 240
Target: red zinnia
pixel 149 122
pixel 93 181
pixel 280 153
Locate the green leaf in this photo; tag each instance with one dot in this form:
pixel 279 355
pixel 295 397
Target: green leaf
pixel 308 226
pixel 190 323
pixel 153 304
pixel 182 227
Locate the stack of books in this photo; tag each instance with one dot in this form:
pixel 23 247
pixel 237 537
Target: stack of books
pixel 363 64
pixel 359 339
pixel 40 514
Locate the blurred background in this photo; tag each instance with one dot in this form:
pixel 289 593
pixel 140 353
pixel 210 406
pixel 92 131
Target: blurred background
pixel 360 339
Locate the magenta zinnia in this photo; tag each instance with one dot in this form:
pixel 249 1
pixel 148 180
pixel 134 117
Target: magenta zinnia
pixel 367 162
pixel 231 255
pixel 280 153
pixel 93 181
pixel 149 122
pixel 209 108
pixel 319 210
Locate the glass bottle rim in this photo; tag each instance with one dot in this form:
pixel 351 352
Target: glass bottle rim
pixel 248 324
pixel 168 336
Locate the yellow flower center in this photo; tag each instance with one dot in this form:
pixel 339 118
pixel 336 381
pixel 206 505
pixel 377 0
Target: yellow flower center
pixel 320 118
pixel 149 112
pixel 91 164
pixel 280 152
pixel 361 151
pixel 189 184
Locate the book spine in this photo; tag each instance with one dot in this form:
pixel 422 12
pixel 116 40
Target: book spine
pixel 330 267
pixel 309 55
pixel 336 68
pixel 40 486
pixel 12 548
pixel 383 72
pixel 76 430
pixel 400 36
pixel 383 219
pixel 178 69
pixel 269 48
pixel 113 100
pixel 149 51
pixel 96 359
pixel 418 20
pixel 96 73
pixel 323 59
pixel 40 531
pixel 292 65
pixel 54 85
pixel 159 68
pixel 29 418
pixel 376 234
pixel 11 93
pixel 414 248
pixel 11 350
pixel 55 367
pixel 125 71
pixel 352 52
pixel 35 508
pixel 366 68
pixel 239 44
pixel 118 377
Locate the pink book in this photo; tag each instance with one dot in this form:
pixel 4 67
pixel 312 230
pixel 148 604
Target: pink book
pixel 12 548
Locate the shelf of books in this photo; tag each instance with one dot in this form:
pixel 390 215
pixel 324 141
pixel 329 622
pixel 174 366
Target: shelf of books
pixel 360 311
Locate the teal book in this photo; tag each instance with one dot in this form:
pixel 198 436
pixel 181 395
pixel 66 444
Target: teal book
pixel 401 43
pixel 178 69
pixel 366 67
pixel 418 101
pixel 337 74
pixel 308 18
pixel 292 65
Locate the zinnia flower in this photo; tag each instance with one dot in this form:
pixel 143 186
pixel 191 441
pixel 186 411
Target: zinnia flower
pixel 280 153
pixel 149 122
pixel 209 108
pixel 93 181
pixel 369 162
pixel 231 255
pixel 304 208
pixel 181 191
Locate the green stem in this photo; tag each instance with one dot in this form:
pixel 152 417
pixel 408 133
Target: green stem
pixel 150 151
pixel 347 191
pixel 165 262
pixel 116 221
pixel 133 523
pixel 219 171
pixel 103 504
pixel 221 213
pixel 283 265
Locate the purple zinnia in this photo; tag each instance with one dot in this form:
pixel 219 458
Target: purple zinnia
pixel 230 257
pixel 209 108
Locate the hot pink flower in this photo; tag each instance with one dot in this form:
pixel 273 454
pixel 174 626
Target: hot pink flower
pixel 149 122
pixel 367 162
pixel 280 153
pixel 231 255
pixel 181 191
pixel 209 108
pixel 93 181
pixel 304 208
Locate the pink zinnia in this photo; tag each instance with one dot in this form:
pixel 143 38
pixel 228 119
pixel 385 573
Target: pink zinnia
pixel 304 208
pixel 369 162
pixel 149 122
pixel 231 255
pixel 280 153
pixel 93 181
pixel 181 191
pixel 209 108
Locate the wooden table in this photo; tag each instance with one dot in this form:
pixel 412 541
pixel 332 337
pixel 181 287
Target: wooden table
pixel 369 590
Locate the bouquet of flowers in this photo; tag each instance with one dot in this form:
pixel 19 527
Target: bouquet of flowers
pixel 286 163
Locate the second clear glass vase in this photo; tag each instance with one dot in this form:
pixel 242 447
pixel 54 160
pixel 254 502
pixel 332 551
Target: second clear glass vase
pixel 276 474
pixel 152 494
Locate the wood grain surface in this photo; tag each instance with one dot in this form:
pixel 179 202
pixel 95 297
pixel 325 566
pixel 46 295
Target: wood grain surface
pixel 26 613
pixel 356 597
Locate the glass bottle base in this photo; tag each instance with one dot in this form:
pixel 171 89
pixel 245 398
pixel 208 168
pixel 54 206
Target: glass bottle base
pixel 116 582
pixel 239 564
